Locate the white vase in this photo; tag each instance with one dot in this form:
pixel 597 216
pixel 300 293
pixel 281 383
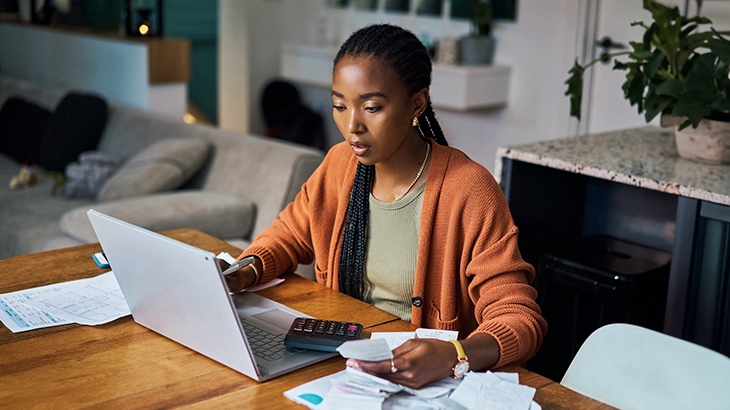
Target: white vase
pixel 447 51
pixel 709 142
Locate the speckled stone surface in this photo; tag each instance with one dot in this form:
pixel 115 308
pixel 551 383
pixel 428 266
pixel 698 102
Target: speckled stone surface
pixel 644 157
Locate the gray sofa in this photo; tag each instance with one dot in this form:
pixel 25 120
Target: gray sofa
pixel 244 182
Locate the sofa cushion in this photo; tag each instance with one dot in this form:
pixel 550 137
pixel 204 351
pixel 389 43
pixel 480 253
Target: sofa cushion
pixel 75 126
pixel 163 166
pixel 22 125
pixel 220 215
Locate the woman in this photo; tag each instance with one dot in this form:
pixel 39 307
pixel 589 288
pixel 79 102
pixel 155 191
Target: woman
pixel 397 218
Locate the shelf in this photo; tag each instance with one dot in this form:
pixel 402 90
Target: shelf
pixel 458 88
pixel 469 87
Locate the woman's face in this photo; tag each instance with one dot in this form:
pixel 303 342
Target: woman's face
pixel 372 109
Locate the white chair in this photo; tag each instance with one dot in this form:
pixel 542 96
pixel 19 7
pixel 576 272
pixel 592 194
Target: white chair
pixel 631 367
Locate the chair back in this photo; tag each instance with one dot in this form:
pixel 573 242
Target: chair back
pixel 631 367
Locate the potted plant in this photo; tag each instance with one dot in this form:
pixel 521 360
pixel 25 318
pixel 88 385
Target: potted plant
pixel 478 47
pixel 677 69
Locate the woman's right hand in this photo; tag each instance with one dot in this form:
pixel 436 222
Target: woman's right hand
pixel 241 279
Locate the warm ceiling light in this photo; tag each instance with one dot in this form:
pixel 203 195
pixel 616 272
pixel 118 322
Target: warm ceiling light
pixel 189 118
pixel 144 29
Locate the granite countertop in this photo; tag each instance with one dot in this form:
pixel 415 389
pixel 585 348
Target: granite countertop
pixel 644 157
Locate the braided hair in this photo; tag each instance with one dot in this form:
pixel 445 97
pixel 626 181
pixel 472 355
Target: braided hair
pixel 400 50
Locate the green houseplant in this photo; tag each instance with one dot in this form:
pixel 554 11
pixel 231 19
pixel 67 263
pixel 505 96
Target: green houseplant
pixel 681 67
pixel 478 47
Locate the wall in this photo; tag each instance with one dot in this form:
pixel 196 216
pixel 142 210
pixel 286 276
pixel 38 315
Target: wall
pixel 540 47
pixel 117 69
pixel 114 68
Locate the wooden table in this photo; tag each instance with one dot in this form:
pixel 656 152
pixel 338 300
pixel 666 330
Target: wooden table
pixel 124 365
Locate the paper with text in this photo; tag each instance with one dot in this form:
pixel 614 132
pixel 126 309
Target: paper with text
pixel 89 301
pixel 487 390
pixel 92 301
pixel 366 349
pixel 423 333
pixel 17 316
pixel 353 389
pixel 395 339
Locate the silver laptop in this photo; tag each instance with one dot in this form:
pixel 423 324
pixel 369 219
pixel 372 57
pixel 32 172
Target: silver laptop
pixel 177 290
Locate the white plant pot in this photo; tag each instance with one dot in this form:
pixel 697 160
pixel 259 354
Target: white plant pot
pixel 709 142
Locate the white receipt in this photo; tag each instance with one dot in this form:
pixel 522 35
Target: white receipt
pixel 394 339
pixel 366 349
pixel 423 333
pixel 492 392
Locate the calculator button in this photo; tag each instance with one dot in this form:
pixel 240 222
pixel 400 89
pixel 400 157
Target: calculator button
pixel 309 326
pixel 320 327
pixel 299 324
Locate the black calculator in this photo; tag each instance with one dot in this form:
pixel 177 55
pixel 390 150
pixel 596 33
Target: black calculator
pixel 321 335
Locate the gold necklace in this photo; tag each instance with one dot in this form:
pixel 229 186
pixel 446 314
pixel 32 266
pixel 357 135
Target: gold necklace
pixel 418 175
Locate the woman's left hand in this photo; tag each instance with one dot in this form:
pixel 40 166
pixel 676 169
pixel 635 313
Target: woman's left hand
pixel 418 362
pixel 421 361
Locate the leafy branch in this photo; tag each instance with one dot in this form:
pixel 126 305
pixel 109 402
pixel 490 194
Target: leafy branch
pixel 675 68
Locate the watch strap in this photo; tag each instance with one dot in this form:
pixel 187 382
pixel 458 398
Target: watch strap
pixel 462 364
pixel 460 353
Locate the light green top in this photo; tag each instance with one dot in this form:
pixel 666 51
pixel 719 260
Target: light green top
pixel 392 249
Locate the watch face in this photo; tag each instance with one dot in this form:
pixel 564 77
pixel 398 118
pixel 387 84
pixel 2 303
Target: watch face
pixel 461 369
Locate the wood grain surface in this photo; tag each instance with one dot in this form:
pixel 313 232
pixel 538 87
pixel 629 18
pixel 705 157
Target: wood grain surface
pixel 124 365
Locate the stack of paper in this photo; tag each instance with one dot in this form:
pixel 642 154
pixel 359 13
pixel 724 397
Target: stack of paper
pixel 354 389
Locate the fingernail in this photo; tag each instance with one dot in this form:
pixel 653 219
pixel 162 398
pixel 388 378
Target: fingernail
pixel 352 363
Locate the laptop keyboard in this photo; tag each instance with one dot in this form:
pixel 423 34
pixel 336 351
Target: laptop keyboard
pixel 267 345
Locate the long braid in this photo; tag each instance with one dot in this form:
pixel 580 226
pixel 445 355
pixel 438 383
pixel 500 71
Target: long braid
pixel 352 259
pixel 431 129
pixel 403 52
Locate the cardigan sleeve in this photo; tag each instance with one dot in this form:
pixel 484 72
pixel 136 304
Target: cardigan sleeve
pixel 499 280
pixel 287 241
pixel 307 223
pixel 504 301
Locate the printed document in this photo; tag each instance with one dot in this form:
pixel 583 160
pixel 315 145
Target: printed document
pixel 90 301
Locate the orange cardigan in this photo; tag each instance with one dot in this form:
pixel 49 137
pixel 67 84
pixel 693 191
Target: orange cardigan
pixel 470 275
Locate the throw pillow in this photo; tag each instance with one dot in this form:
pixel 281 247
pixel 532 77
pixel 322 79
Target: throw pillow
pixel 22 125
pixel 75 126
pixel 163 166
pixel 86 177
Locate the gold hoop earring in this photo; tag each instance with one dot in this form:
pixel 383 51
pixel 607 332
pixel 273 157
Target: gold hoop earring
pixel 415 121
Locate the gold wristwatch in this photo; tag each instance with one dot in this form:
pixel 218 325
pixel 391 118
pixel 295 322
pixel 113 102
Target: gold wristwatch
pixel 462 366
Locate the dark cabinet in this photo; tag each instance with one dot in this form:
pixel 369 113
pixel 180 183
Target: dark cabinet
pixel 707 313
pixel 558 209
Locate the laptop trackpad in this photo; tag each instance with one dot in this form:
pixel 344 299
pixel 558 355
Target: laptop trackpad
pixel 276 317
